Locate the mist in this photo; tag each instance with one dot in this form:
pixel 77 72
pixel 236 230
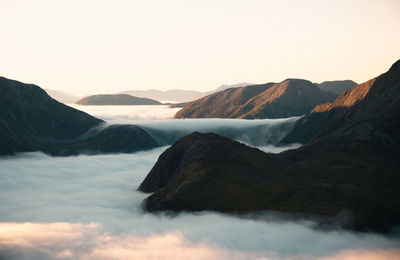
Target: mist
pixel 87 207
pixel 128 114
pixel 159 123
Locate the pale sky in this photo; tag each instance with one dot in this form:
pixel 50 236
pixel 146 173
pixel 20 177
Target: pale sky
pixel 107 46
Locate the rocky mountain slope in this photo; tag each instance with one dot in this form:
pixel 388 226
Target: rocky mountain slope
pixel 30 120
pixel 292 97
pixel 337 86
pixel 117 99
pixel 348 169
pixel 368 112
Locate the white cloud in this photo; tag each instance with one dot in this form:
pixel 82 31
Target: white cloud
pixel 90 241
pixel 41 197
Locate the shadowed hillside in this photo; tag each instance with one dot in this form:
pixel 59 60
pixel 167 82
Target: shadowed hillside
pixel 336 86
pixel 30 120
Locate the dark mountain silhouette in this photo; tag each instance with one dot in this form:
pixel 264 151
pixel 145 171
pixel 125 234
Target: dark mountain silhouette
pixel 117 99
pixel 30 120
pixel 337 86
pixel 292 97
pixel 349 167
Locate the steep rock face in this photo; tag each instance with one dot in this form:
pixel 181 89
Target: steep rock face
pixel 292 97
pixel 210 172
pixel 117 99
pixel 337 86
pixel 30 120
pixel 369 111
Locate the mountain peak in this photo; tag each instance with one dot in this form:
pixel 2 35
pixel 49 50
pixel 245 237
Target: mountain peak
pixel 395 66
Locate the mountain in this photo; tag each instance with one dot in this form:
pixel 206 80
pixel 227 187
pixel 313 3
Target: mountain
pixel 224 87
pixel 368 112
pixel 178 95
pixel 62 96
pixel 175 95
pixel 30 120
pixel 337 86
pixel 292 97
pixel 117 99
pixel 347 173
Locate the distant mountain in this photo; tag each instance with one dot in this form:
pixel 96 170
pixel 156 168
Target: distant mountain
pixel 62 96
pixel 292 97
pixel 30 120
pixel 117 99
pixel 347 174
pixel 338 87
pixel 224 87
pixel 176 95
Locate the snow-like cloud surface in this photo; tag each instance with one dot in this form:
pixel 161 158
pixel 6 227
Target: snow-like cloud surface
pixel 87 207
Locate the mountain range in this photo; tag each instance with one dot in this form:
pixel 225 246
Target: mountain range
pixel 347 172
pixel 291 97
pixel 178 95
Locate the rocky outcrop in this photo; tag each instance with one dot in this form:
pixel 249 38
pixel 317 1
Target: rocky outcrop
pixel 337 86
pixel 30 120
pixel 117 99
pixel 292 97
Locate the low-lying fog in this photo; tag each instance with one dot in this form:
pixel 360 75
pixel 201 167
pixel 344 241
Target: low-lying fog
pixel 125 114
pixel 159 122
pixel 87 207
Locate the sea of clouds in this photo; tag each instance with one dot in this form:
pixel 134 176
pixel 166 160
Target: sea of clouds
pixel 88 207
pixel 159 122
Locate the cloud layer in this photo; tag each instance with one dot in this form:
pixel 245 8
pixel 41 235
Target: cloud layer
pixel 87 207
pixel 90 241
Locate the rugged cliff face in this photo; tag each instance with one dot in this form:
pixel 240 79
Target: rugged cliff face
pixel 117 99
pixel 292 97
pixel 349 167
pixel 30 120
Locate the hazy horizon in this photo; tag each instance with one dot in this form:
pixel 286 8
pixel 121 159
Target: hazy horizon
pixel 86 47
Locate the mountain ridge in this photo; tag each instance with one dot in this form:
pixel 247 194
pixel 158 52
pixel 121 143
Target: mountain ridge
pixel 291 97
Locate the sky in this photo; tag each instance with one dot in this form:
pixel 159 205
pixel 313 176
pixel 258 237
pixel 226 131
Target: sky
pixel 109 46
